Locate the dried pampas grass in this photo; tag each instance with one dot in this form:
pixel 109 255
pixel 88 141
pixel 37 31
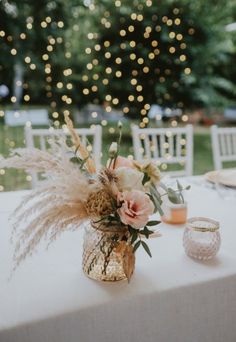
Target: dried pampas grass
pixel 90 165
pixel 58 204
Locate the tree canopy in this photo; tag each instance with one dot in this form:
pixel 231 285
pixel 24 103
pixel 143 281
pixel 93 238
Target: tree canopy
pixel 125 54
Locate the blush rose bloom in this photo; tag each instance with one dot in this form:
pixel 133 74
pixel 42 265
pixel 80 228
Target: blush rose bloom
pixel 135 208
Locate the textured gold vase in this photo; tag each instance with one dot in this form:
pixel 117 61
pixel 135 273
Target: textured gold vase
pixel 104 257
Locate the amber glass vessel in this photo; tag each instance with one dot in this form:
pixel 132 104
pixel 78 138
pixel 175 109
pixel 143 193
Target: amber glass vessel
pixel 101 260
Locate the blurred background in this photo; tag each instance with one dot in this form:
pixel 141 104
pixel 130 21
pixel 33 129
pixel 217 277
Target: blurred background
pixel 155 63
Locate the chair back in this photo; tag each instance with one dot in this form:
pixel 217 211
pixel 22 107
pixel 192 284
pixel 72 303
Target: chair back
pixel 166 146
pixel 39 138
pixel 223 141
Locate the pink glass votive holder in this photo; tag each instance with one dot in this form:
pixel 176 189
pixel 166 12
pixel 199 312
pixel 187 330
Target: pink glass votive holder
pixel 201 238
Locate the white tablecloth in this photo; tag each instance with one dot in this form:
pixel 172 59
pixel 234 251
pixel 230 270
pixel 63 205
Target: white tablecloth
pixel 171 298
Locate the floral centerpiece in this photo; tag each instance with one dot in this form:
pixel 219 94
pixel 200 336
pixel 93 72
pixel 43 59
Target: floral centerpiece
pixel 114 204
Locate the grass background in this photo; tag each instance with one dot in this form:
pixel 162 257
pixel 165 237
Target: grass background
pixel 11 137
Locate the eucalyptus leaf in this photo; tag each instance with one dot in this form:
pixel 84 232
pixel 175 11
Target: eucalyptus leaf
pixel 146 232
pixel 134 237
pixel 173 196
pixel 132 230
pixel 157 205
pixel 179 186
pixel 75 160
pixel 136 246
pixel 153 223
pixel 145 246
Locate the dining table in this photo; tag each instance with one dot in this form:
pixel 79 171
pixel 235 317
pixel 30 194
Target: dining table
pixel 170 298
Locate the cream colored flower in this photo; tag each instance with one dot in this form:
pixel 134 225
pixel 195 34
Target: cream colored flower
pixel 151 170
pixel 129 179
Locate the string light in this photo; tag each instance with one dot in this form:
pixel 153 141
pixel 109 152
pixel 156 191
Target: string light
pixel 13 52
pixel 106 60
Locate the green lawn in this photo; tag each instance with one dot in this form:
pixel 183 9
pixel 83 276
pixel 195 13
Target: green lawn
pixel 10 137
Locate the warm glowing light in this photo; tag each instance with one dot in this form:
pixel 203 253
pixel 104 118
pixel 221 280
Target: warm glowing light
pixel 50 48
pixel 44 24
pixel 133 81
pixel 169 22
pixel 85 91
pixel 85 78
pixel 69 86
pixel 185 118
pixel 179 36
pixel 45 57
pixel 13 99
pixel 177 21
pixel 55 115
pixel 108 55
pixel 140 61
pixel 29 26
pixel 132 43
pixel 59 85
pixel 27 59
pixel 26 98
pixel 107 43
pixel 122 33
pixel 60 24
pixel 108 70
pixel 187 71
pixel 151 55
pixel 132 56
pixel 13 52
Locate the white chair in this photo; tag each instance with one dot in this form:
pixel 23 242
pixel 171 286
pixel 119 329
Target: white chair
pixel 39 137
pixel 223 145
pixel 165 146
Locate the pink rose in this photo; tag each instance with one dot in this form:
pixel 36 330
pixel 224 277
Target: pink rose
pixel 120 162
pixel 135 208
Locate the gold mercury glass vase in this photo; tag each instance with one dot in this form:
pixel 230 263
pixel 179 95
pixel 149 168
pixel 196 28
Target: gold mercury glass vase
pixel 107 255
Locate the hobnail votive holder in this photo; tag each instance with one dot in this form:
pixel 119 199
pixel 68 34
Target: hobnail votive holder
pixel 201 239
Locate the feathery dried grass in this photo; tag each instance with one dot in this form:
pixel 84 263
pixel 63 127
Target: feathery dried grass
pixel 58 204
pixel 79 146
pixel 108 181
